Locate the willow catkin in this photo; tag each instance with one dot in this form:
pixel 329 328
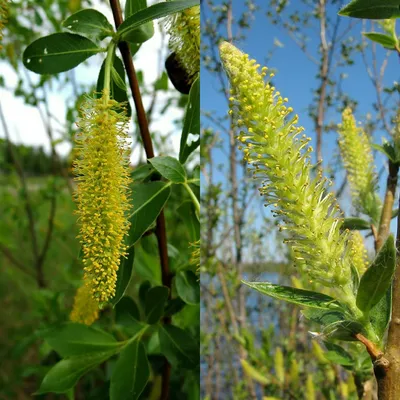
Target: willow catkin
pixel 184 30
pixel 355 149
pixel 85 309
pixel 359 252
pixel 102 195
pixel 277 151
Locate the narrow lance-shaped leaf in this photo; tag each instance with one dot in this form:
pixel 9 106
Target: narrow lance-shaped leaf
pixel 354 223
pixel 380 314
pixel 151 13
pixel 305 298
pixel 124 275
pixel 191 123
pixel 389 42
pixel 372 9
pixel 378 277
pixel 117 92
pixel 58 52
pixel 338 354
pixel 148 200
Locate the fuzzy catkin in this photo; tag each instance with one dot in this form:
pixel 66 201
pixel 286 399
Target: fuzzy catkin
pixel 184 30
pixel 85 309
pixel 358 251
pixel 102 195
pixel 357 157
pixel 277 151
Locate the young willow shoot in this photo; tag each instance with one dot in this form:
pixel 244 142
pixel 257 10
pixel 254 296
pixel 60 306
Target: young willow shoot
pixel 357 156
pixel 278 152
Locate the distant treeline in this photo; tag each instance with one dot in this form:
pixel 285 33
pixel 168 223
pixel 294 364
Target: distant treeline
pixel 33 159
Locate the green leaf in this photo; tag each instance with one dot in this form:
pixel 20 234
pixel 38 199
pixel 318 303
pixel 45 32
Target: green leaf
pixel 170 168
pixel 72 339
pixel 355 224
pixel 343 330
pixel 151 13
pixel 323 317
pixel 378 277
pixel 386 41
pixel 126 309
pixel 58 52
pixel 143 289
pixel 66 373
pixel 372 9
pixel 338 355
pixel 89 22
pixel 381 313
pixel 124 275
pixel 191 123
pixel 128 316
pixel 188 287
pixel 116 92
pixel 117 79
pixel 179 347
pixel 144 32
pixel 187 212
pixel 141 173
pixel 131 373
pixel 305 298
pixel 174 306
pixel 132 7
pixel 155 303
pixel 387 149
pixel 148 200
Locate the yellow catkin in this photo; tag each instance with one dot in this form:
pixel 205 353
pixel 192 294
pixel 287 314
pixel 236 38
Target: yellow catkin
pixel 3 18
pixel 318 353
pixel 359 252
pixel 294 372
pixel 184 30
pixel 279 366
pixel 355 149
pixel 277 151
pixel 102 195
pixel 310 390
pixel 85 309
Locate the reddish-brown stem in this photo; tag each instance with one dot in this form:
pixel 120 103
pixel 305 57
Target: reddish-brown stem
pixel 373 351
pixel 148 147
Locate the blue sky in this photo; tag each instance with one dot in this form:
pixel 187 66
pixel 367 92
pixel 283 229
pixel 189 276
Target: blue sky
pixel 296 78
